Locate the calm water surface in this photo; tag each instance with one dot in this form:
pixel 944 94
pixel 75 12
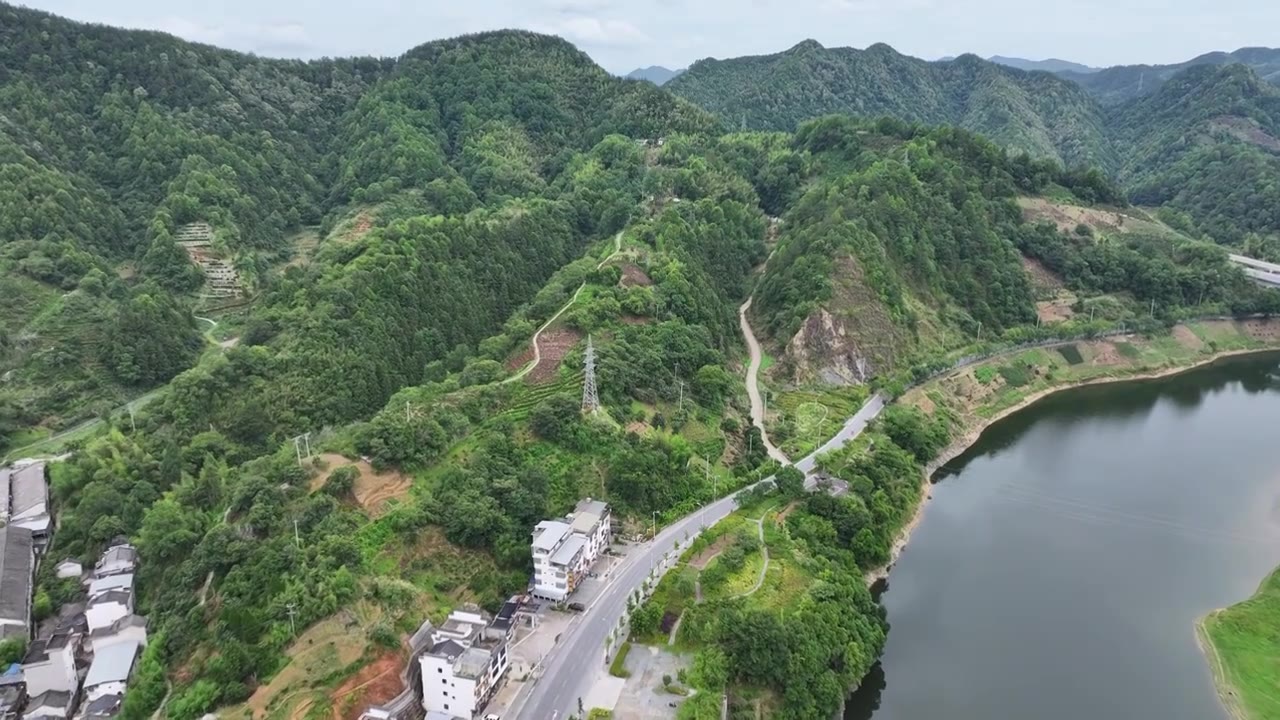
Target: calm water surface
pixel 1062 563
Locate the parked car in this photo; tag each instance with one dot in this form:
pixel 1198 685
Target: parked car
pixel 577 606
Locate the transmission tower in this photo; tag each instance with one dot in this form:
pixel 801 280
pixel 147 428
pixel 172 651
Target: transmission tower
pixel 590 398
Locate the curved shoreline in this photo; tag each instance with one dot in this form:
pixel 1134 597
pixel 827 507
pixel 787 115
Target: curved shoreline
pixel 974 433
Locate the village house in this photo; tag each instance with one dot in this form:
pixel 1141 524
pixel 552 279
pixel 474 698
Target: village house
pixel 564 551
pixel 17 568
pixel 464 664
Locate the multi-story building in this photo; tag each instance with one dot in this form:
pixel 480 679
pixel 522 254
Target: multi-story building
pixel 564 551
pixel 464 664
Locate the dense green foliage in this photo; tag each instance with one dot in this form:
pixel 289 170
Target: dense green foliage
pixel 1207 143
pixel 1032 112
pixel 1205 140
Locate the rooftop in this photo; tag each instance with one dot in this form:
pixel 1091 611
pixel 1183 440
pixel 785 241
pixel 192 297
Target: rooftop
pixel 111 596
pixel 50 698
pixel 119 555
pixel 105 706
pixel 125 622
pixel 473 663
pixel 123 581
pixel 16 565
pixel 569 550
pixel 112 663
pixel 549 534
pixel 28 488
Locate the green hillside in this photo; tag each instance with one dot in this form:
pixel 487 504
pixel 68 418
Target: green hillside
pixel 1204 142
pixel 1031 112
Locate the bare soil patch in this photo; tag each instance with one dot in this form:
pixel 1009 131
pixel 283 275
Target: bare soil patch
pixel 520 359
pixel 633 276
pixel 1067 217
pixel 324 647
pixel 704 558
pixel 1186 338
pixel 361 225
pixel 637 427
pixel 373 490
pixel 1246 130
pixel 1040 275
pixel 554 344
pixel 1102 353
pixel 1056 310
pixel 373 684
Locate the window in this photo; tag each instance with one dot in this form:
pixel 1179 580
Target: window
pixel 446 706
pixel 444 681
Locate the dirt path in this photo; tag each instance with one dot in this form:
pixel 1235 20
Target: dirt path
pixel 1227 694
pixel 671 640
pixel 753 384
pixel 537 351
pixel 764 549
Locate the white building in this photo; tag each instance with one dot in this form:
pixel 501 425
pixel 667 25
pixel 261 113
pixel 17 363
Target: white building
pixel 110 671
pixel 69 568
pixel 130 628
pixel 50 664
pixel 103 610
pixel 122 558
pixel 52 704
pixel 122 581
pixel 462 668
pixel 563 552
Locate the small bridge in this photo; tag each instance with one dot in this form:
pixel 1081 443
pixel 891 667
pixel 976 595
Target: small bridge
pixel 1263 272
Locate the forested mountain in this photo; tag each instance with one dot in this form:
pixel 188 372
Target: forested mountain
pixel 655 74
pixel 1119 83
pixel 1207 143
pixel 1032 112
pixel 1052 65
pixel 113 139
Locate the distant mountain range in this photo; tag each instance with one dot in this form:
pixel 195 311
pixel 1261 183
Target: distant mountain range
pixel 1124 82
pixel 1052 65
pixel 655 74
pixel 1202 137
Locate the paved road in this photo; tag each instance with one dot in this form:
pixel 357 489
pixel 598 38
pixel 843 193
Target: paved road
pixel 753 385
pixel 569 669
pixel 1265 272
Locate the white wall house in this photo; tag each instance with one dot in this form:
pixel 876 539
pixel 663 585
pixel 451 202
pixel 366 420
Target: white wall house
pixel 17 568
pixel 128 629
pixel 462 669
pixel 29 500
pixel 563 552
pixel 110 671
pixel 50 664
pixel 107 608
pixel 117 559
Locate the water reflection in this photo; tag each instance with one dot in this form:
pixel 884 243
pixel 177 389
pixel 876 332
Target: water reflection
pixel 1060 576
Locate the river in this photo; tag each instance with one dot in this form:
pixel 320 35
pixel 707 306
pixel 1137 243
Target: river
pixel 1064 559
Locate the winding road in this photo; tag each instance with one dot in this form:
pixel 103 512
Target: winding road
pixel 753 383
pixel 569 670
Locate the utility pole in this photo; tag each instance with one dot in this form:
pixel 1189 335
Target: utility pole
pixel 979 331
pixel 132 424
pixel 297 540
pixel 1153 308
pixel 1091 314
pixel 681 406
pixel 293 610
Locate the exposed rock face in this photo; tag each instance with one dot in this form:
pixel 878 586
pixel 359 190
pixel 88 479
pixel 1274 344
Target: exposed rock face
pixel 848 339
pixel 823 350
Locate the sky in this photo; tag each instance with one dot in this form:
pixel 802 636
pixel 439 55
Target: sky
pixel 622 35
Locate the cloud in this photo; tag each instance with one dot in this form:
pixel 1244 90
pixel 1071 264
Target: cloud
pixel 578 6
pixel 598 32
pixel 283 38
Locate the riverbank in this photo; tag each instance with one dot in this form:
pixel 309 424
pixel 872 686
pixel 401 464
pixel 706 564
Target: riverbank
pixel 989 409
pixel 1239 643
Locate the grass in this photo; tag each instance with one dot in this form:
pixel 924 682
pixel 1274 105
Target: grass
pixel 739 582
pixel 797 427
pixel 618 668
pixel 1244 651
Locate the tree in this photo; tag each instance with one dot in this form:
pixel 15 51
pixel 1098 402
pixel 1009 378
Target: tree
pixel 790 482
pixel 168 532
pixel 342 481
